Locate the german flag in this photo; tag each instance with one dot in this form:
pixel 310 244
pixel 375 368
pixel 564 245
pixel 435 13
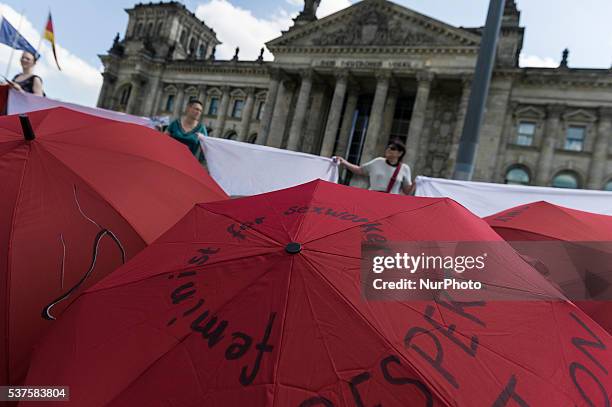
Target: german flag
pixel 50 36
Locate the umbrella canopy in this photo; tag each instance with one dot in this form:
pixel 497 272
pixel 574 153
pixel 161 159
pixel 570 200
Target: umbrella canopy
pixel 257 301
pixel 576 253
pixel 79 195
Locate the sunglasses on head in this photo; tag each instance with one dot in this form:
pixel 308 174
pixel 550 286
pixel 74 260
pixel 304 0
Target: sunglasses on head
pixel 393 148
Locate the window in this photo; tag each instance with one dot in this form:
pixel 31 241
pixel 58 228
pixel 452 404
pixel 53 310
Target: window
pixel 138 29
pixel 574 140
pixel 253 139
pixel 170 103
pixel 125 96
pixel 149 29
pixel 526 131
pixel 213 107
pixel 260 110
pixel 192 46
pixel 237 110
pixel 201 52
pixel 565 179
pixel 231 135
pixel 182 39
pixel 159 28
pixel 608 186
pixel 517 175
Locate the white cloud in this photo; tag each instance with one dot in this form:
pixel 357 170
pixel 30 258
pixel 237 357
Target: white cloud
pixel 78 82
pixel 238 27
pixel 328 7
pixel 535 61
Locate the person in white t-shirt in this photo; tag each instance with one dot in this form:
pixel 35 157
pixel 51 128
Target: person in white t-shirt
pixel 382 169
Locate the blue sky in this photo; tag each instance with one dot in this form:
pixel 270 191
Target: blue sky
pixel 85 28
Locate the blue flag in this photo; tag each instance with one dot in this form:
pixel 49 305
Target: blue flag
pixel 11 37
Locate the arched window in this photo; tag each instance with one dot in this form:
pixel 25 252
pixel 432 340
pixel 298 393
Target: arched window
pixel 201 51
pixel 566 179
pixel 150 29
pixel 518 175
pixel 159 28
pixel 192 46
pixel 182 38
pixel 138 29
pixel 253 138
pixel 169 103
pixel 231 135
pixel 124 96
pixel 608 186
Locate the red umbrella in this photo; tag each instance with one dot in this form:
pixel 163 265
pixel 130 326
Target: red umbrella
pixel 78 195
pixel 257 302
pixel 576 254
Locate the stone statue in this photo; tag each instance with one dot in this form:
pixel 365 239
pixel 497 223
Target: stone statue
pixel 565 54
pixel 235 58
pixel 212 54
pixel 117 48
pixel 309 13
pixel 260 57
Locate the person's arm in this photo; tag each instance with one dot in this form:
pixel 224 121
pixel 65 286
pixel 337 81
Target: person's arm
pixel 37 88
pixel 408 189
pixel 355 169
pixel 15 86
pixel 407 184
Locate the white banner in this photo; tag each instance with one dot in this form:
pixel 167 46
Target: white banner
pixel 19 102
pixel 248 169
pixel 484 199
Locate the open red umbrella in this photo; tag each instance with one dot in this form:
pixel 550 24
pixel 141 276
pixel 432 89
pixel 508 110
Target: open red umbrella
pixel 258 302
pixel 575 251
pixel 79 195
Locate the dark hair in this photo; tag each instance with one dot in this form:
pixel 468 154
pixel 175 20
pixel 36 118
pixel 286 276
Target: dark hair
pixel 397 143
pixel 34 55
pixel 195 102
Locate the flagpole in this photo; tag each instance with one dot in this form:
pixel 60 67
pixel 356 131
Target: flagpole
pixel 10 61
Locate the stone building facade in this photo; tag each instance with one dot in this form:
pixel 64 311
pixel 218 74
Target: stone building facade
pixel 346 83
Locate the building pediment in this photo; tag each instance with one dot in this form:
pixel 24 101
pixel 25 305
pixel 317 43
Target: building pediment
pixel 375 23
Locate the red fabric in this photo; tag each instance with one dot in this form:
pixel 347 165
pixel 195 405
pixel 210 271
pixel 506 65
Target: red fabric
pixel 217 313
pixel 49 25
pixel 4 91
pixel 543 221
pixel 128 179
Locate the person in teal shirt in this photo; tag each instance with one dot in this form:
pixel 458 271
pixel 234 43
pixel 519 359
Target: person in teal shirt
pixel 186 128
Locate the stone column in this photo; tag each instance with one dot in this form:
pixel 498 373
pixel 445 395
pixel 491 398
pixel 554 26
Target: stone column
pixel 222 113
pixel 107 90
pixel 202 94
pixel 342 148
pixel 281 111
pixel 388 118
pixel 335 112
pixel 149 105
pixel 417 120
pixel 296 131
pixel 134 106
pixel 549 144
pixel 245 122
pixel 466 82
pixel 373 135
pixel 600 149
pixel 178 102
pixel 268 109
pixel 507 133
pixel 312 139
